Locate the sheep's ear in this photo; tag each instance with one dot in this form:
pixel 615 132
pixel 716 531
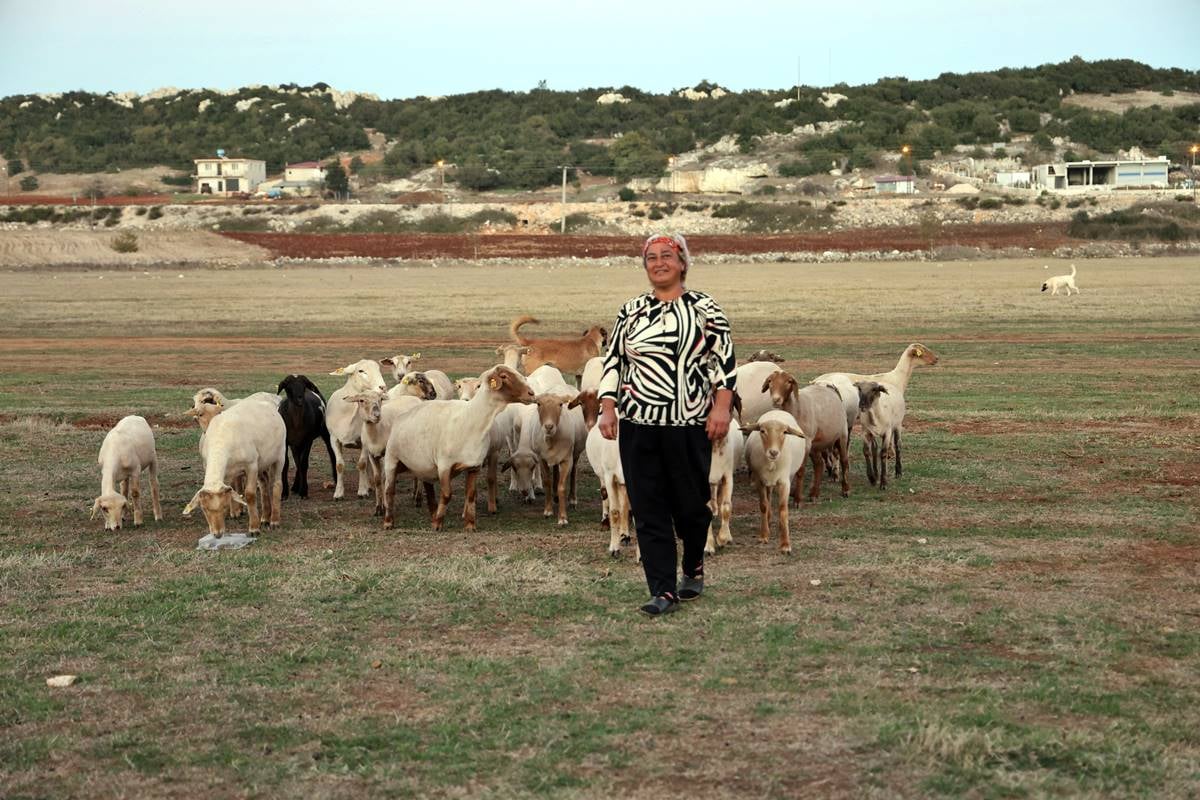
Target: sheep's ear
pixel 191 506
pixel 354 398
pixel 918 352
pixel 192 412
pixel 883 389
pixel 95 508
pixel 500 350
pixel 736 403
pixel 506 466
pixel 339 371
pixel 750 428
pixel 281 387
pixel 797 432
pixel 494 382
pixel 312 386
pixel 766 384
pixel 415 356
pixel 386 362
pixel 574 403
pixel 795 389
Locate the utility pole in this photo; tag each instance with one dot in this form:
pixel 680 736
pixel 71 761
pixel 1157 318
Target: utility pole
pixel 797 79
pixel 563 227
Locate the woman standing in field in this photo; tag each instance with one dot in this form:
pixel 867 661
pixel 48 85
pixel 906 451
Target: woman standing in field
pixel 669 368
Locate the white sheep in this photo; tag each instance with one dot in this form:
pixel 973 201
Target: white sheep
pixel 511 355
pixel 548 378
pixel 558 439
pixel 604 456
pixel 378 411
pixel 466 387
pixel 775 449
pixel 402 364
pixel 818 411
pixel 127 450
pixel 914 355
pixel 345 423
pixel 247 440
pixel 726 455
pixel 751 387
pixel 440 438
pixel 882 417
pixel 522 463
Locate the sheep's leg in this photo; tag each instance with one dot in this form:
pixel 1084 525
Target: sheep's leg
pixel 469 505
pixel 605 510
pixel 869 457
pixel 574 496
pixel 301 484
pixel 785 540
pixel 882 448
pixel 430 500
pixel 439 515
pixel 339 469
pixel 389 490
pixel 896 446
pixel 710 543
pixel 135 495
pixel 251 495
pixel 286 448
pixel 614 516
pixel 798 483
pixel 818 464
pixel 416 493
pixel 492 479
pixel 364 478
pixel 622 505
pixel 332 460
pixel 547 482
pixel 276 497
pixel 154 491
pixel 376 467
pixel 725 536
pixel 764 507
pixel 843 452
pixel 563 484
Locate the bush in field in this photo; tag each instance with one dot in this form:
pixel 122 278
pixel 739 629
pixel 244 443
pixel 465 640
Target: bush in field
pixel 125 242
pixel 775 217
pixel 578 221
pixel 28 183
pixel 626 195
pixel 177 180
pixel 155 212
pixel 15 166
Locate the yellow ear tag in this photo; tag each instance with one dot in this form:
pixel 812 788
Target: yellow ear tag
pixel 919 352
pixel 493 384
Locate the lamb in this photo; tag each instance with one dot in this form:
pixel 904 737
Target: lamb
pixel 345 423
pixel 749 386
pixel 775 449
pixel 248 440
pixel 440 438
pixel 819 413
pixel 1066 282
pixel 522 463
pixel 913 356
pixel 604 456
pixel 569 355
pixel 558 441
pixel 127 450
pixel 303 412
pixel 726 455
pixel 882 418
pixel 378 411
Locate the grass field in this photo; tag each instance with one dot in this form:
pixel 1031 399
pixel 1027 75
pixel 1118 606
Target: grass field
pixel 1017 616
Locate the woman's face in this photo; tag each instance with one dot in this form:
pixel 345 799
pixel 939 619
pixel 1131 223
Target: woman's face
pixel 663 266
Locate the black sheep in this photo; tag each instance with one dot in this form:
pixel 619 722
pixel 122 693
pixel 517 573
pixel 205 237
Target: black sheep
pixel 303 412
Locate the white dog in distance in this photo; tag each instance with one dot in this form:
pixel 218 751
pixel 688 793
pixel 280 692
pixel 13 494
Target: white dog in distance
pixel 1066 282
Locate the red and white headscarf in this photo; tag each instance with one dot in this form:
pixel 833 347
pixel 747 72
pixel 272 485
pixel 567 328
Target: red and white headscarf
pixel 677 242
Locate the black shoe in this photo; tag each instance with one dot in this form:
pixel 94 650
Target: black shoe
pixel 665 603
pixel 691 588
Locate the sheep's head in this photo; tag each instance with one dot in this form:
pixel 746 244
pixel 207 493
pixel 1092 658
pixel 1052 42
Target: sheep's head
pixel 773 434
pixel 418 385
pixel 868 393
pixel 524 466
pixel 363 375
pixel 921 353
pixel 590 403
pixel 112 506
pixel 401 364
pixel 466 387
pixel 512 354
pixel 550 409
pixel 370 404
pixel 509 385
pixel 216 505
pixel 206 404
pixel 765 355
pixel 781 386
pixel 296 387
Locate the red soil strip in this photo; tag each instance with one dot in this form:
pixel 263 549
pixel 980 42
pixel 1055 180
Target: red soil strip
pixel 1043 236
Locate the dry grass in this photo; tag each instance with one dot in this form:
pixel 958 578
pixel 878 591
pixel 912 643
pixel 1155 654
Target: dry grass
pixel 1040 641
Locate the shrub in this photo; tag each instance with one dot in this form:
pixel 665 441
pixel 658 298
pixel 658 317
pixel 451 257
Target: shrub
pixel 655 213
pixel 155 212
pixel 769 189
pixel 579 221
pixel 28 183
pixel 177 180
pixel 774 217
pixel 989 203
pixel 125 242
pixel 140 211
pixel 626 195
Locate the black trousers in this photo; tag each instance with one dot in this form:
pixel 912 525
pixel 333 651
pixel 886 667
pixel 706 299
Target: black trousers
pixel 666 473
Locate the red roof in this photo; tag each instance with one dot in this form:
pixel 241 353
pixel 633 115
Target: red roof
pixel 303 165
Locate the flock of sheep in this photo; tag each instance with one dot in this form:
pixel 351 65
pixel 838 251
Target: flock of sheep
pixel 535 426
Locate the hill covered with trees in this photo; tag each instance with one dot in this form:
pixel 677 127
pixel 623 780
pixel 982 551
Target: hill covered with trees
pixel 520 139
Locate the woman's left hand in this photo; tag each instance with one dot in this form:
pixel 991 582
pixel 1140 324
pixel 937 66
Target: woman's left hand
pixel 718 423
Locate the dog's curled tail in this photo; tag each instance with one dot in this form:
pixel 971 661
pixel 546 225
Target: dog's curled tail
pixel 515 328
pixel 1072 270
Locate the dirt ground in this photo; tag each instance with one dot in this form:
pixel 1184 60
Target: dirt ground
pixel 1143 98
pixel 40 248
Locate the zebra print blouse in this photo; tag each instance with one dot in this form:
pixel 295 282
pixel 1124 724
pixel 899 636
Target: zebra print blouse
pixel 665 359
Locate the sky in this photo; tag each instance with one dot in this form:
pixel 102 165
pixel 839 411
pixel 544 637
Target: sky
pixel 399 49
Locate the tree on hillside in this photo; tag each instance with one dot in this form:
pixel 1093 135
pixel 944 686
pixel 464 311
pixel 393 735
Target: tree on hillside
pixel 635 156
pixel 335 179
pixel 15 166
pixel 356 165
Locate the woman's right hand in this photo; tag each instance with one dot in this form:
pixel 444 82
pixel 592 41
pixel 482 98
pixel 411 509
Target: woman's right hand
pixel 608 419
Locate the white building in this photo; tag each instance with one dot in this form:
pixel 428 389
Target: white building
pixel 1016 178
pixel 895 184
pixel 223 176
pixel 1148 173
pixel 304 172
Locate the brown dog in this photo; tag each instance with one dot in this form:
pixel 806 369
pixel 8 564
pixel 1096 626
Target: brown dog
pixel 569 355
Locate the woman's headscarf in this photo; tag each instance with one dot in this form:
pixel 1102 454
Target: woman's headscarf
pixel 678 244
